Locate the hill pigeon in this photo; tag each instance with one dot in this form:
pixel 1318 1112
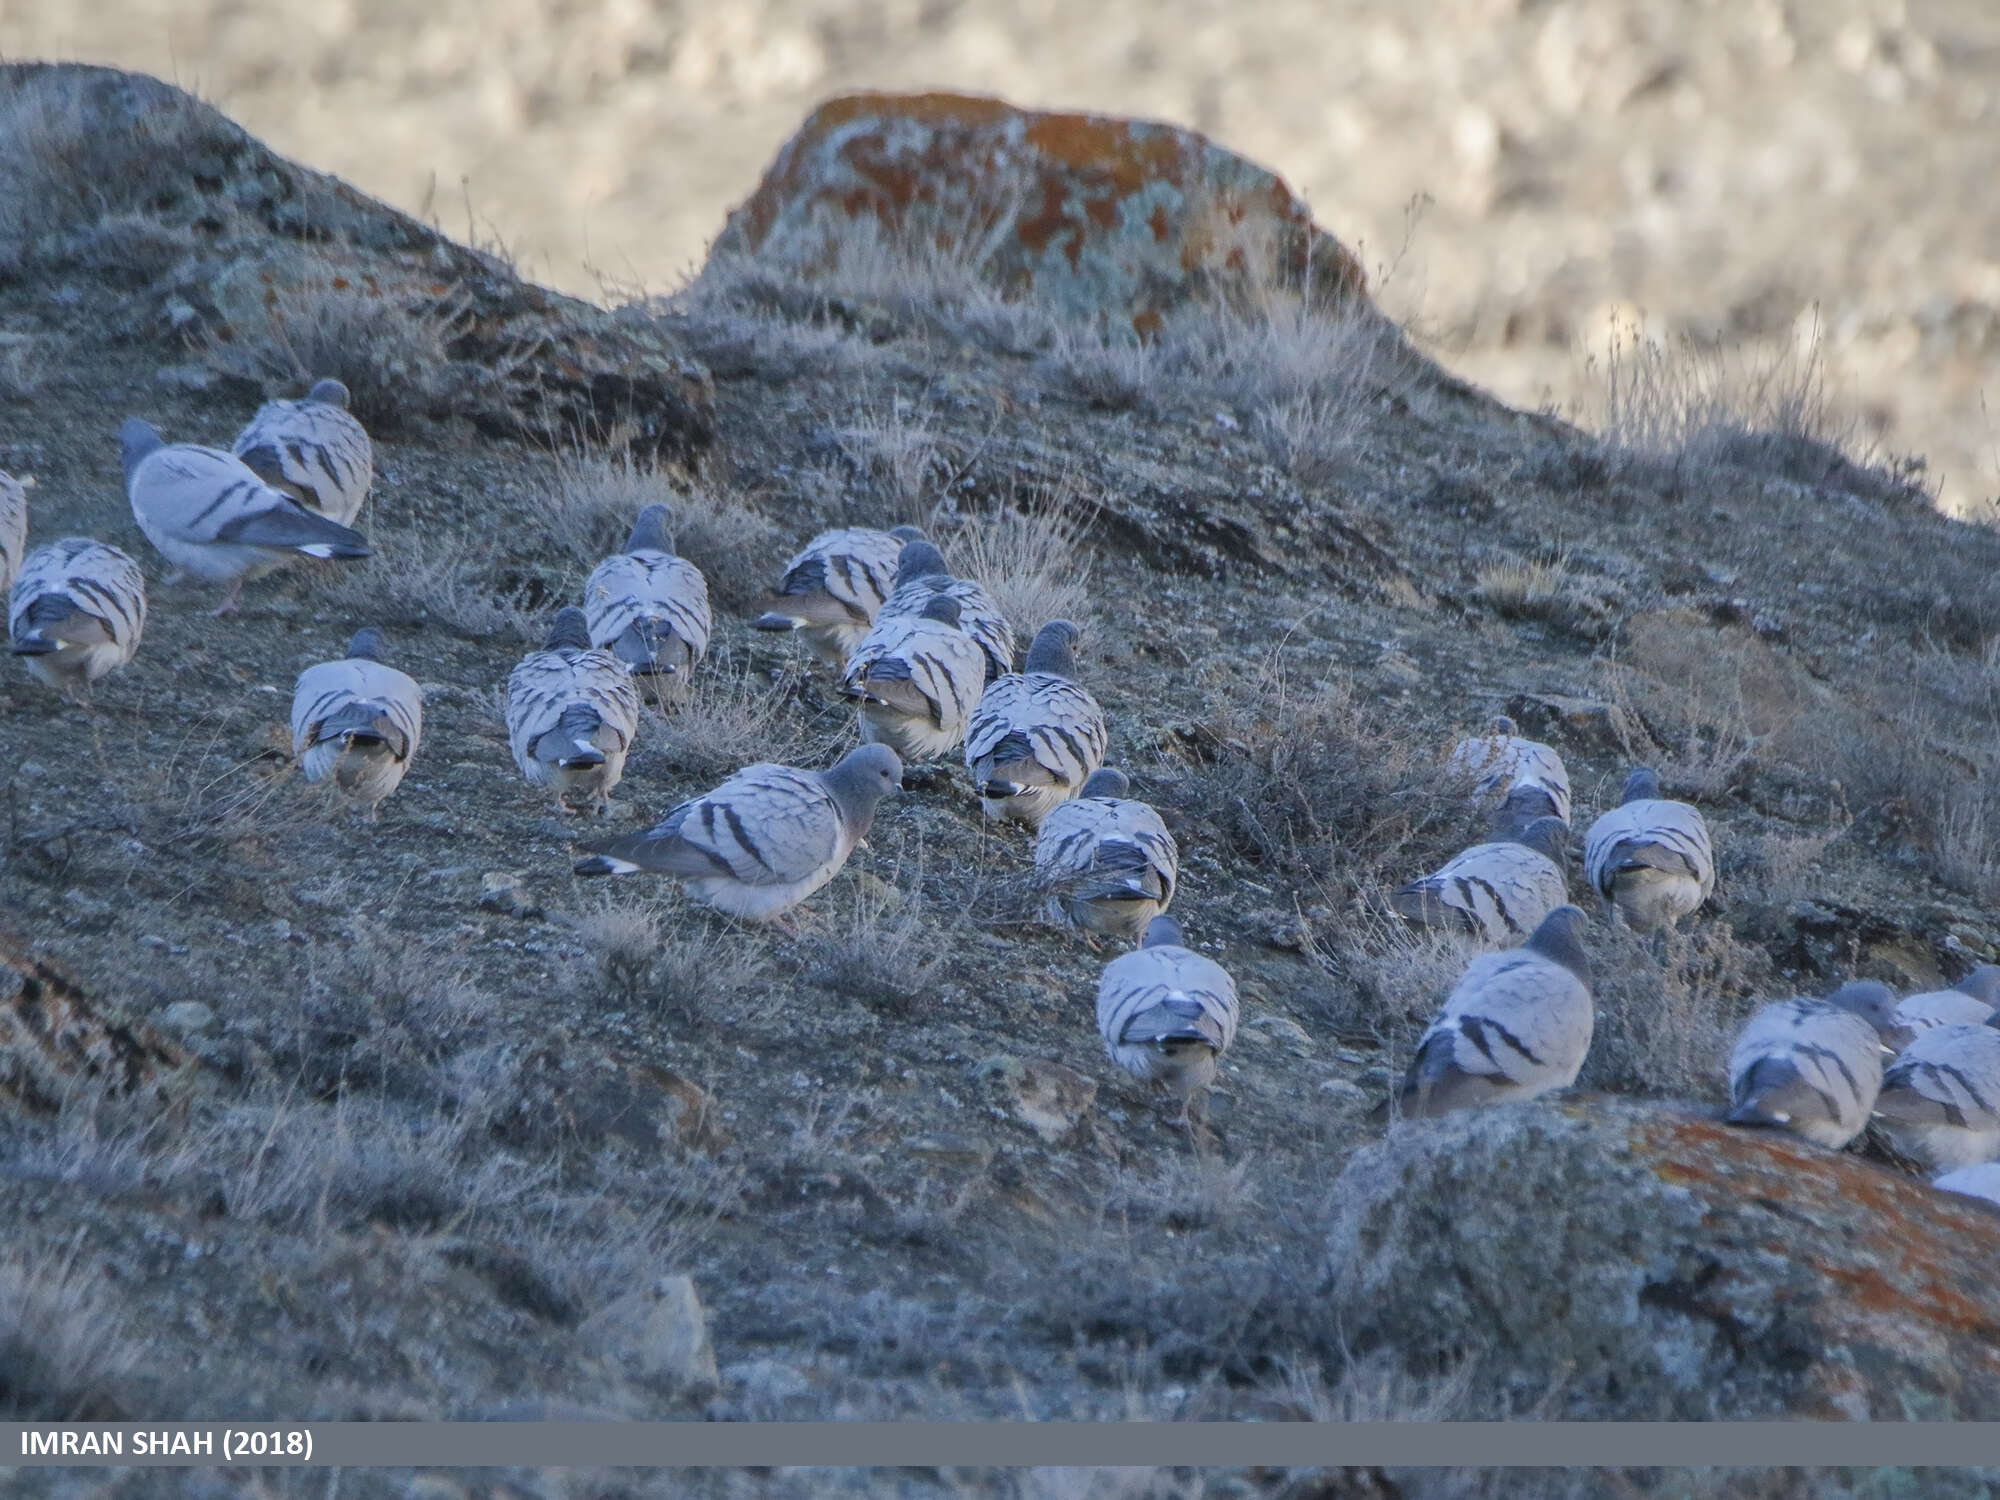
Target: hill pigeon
pixel 1649 857
pixel 1502 763
pixel 571 714
pixel 1166 1013
pixel 1940 1099
pixel 916 679
pixel 312 449
pixel 1107 863
pixel 1812 1067
pixel 13 528
pixel 1518 1024
pixel 357 722
pixel 831 591
pixel 921 575
pixel 76 612
pixel 1500 891
pixel 1036 736
pixel 1970 1002
pixel 648 607
pixel 1981 1180
pixel 212 517
pixel 764 840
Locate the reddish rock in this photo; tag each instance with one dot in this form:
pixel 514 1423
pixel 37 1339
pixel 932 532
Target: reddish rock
pixel 1095 214
pixel 1614 1260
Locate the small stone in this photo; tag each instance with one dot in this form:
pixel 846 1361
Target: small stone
pixel 1278 1026
pixel 187 1016
pixel 657 1334
pixel 1343 1093
pixel 1047 1097
pixel 502 891
pixel 185 377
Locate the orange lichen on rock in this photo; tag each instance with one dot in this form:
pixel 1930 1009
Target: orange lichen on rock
pixel 1102 217
pixel 1662 1263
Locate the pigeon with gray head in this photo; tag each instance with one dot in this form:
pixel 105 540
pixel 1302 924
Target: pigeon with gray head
pixel 833 589
pixel 1107 862
pixel 13 528
pixel 921 575
pixel 764 840
pixel 1812 1067
pixel 211 516
pixel 1518 1024
pixel 1499 891
pixel 1502 763
pixel 1650 857
pixel 76 612
pixel 312 449
pixel 1940 1099
pixel 1970 1002
pixel 1166 1013
pixel 916 679
pixel 356 723
pixel 1036 736
pixel 1980 1180
pixel 648 607
pixel 572 712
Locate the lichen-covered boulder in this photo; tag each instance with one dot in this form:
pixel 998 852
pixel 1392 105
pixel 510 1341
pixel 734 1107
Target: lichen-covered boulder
pixel 1605 1259
pixel 1099 216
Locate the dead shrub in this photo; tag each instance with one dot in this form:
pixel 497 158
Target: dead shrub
pixel 1668 1009
pixel 1306 781
pixel 64 1352
pixel 883 951
pixel 423 578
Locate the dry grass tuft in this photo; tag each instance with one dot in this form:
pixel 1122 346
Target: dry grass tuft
pixel 64 1352
pixel 1031 559
pixel 588 512
pixel 883 951
pixel 416 579
pixel 736 714
pixel 1967 852
pixel 684 969
pixel 1668 1011
pixel 1549 589
pixel 79 149
pixel 1112 372
pixel 391 353
pixel 1308 782
pixel 898 450
pixel 1686 410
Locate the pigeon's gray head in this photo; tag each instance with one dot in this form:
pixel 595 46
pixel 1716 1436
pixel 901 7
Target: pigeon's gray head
pixel 1054 649
pixel 942 608
pixel 1982 984
pixel 1560 938
pixel 1106 781
pixel 366 645
pixel 1501 724
pixel 1642 784
pixel 906 535
pixel 329 392
pixel 136 439
pixel 1163 932
pixel 860 779
pixel 919 559
pixel 649 532
pixel 1548 836
pixel 1524 804
pixel 571 629
pixel 1869 1000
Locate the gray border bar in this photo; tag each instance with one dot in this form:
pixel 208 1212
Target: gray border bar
pixel 1006 1444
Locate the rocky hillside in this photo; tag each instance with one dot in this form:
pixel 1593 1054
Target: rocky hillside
pixel 307 1117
